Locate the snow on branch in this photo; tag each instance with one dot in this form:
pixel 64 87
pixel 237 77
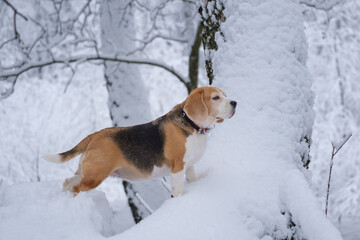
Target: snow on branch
pixel 336 146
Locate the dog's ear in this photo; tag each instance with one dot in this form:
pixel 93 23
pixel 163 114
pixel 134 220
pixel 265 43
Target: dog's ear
pixel 195 107
pixel 220 120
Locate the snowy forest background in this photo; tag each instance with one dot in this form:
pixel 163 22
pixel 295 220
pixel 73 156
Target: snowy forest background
pixel 69 68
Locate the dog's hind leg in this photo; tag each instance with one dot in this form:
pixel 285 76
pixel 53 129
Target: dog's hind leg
pixel 95 167
pixel 70 182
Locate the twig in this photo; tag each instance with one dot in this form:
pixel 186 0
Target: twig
pixel 10 91
pixel 345 140
pixel 142 201
pixel 37 166
pixel 334 152
pixel 71 77
pixel 7 41
pixel 165 184
pixel 312 5
pixel 146 42
pixel 16 12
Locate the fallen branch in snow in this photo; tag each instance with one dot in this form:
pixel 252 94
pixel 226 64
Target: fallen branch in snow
pixel 335 149
pixel 165 184
pixel 142 201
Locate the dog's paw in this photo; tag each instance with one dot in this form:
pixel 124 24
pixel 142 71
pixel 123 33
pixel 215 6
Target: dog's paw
pixel 191 178
pixel 176 193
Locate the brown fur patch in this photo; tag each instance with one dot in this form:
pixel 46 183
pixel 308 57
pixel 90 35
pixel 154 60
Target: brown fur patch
pixel 101 158
pixel 195 106
pixel 174 149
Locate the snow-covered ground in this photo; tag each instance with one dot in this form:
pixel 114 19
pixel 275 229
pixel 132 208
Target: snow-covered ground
pixel 42 211
pixel 251 181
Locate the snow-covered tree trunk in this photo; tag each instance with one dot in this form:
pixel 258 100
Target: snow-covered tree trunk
pixel 128 101
pixel 212 15
pixel 262 63
pixel 128 98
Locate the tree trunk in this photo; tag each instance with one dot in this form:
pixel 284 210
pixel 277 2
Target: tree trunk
pixel 212 15
pixel 128 98
pixel 128 102
pixel 194 59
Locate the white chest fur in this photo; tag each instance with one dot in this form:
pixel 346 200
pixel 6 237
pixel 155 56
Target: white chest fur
pixel 195 148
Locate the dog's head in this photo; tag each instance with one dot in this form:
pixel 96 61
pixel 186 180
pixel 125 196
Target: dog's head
pixel 207 105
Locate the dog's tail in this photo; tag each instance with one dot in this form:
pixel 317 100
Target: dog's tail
pixel 66 156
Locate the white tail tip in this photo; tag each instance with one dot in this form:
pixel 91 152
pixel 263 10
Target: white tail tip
pixel 53 158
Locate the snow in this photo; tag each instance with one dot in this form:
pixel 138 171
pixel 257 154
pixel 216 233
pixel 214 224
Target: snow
pixel 41 210
pixel 252 184
pixel 333 62
pixel 341 142
pixel 49 121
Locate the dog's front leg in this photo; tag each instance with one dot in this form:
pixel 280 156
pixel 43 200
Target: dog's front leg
pixel 177 183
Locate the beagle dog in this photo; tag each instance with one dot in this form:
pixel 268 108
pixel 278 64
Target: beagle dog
pixel 169 145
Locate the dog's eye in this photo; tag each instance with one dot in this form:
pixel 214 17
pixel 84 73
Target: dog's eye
pixel 216 98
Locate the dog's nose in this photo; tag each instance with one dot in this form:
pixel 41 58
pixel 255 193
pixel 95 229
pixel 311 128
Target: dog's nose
pixel 233 103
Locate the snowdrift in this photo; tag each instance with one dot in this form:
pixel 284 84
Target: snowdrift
pixel 42 211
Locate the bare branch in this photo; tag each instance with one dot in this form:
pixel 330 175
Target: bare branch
pixel 165 184
pixel 142 201
pixel 7 41
pixel 318 7
pixel 58 10
pixel 166 37
pixel 71 77
pixel 16 12
pixel 17 72
pixel 335 150
pixel 149 40
pixel 35 42
pixel 76 18
pixel 10 91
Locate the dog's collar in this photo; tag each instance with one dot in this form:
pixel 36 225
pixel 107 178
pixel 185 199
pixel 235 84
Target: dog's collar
pixel 196 127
